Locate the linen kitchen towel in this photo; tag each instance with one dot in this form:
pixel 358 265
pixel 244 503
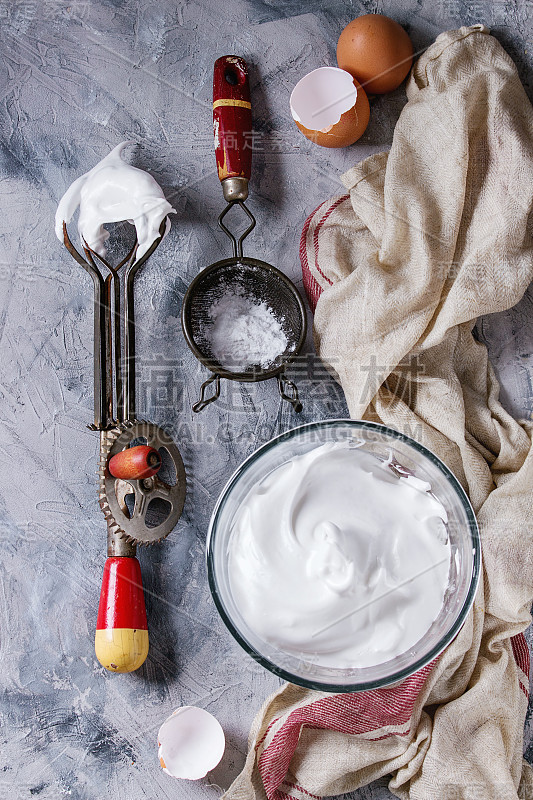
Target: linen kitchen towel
pixel 427 238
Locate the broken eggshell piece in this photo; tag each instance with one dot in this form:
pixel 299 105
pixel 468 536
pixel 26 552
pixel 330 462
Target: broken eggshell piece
pixel 329 107
pixel 191 743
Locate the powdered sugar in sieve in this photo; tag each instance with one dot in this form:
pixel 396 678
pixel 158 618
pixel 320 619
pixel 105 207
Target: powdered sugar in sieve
pixel 244 332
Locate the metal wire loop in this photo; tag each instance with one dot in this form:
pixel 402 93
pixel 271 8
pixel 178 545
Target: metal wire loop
pixel 237 243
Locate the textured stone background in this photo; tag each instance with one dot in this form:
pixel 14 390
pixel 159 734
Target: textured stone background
pixel 77 77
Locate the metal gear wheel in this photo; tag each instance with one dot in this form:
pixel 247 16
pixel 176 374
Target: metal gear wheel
pixel 131 524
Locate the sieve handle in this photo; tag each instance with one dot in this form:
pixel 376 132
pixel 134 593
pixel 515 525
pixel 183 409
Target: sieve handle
pixel 232 125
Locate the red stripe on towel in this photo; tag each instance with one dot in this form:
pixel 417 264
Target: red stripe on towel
pixel 312 287
pixel 522 658
pixel 302 790
pixel 361 712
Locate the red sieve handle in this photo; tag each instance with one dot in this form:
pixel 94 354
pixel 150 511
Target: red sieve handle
pixel 232 124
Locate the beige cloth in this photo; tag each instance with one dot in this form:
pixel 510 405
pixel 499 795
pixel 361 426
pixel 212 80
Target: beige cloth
pixel 440 235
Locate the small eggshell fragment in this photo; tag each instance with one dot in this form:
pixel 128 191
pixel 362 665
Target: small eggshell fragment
pixel 329 107
pixel 377 51
pixel 191 743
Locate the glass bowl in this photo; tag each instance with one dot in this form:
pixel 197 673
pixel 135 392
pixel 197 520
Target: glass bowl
pixel 415 459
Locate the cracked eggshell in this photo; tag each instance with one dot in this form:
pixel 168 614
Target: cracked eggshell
pixel 329 107
pixel 191 743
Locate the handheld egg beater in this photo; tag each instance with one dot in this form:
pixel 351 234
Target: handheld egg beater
pixel 139 506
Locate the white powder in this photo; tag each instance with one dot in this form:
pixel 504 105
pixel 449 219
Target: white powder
pixel 244 333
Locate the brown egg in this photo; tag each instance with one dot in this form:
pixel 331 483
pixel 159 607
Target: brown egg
pixel 377 51
pixel 329 107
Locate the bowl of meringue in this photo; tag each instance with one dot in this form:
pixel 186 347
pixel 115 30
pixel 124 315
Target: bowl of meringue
pixel 343 555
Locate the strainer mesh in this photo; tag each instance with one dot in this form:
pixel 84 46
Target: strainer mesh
pixel 259 284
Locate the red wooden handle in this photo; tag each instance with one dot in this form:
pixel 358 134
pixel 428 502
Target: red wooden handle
pixel 232 118
pixel 121 641
pixel 135 463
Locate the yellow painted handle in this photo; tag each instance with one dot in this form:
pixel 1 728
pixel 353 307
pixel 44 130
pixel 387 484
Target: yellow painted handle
pixel 121 649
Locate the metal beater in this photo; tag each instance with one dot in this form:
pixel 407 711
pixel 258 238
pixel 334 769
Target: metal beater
pixel 132 516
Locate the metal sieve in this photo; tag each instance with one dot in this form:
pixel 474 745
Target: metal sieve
pixel 255 280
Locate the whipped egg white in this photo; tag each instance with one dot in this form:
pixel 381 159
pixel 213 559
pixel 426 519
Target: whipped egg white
pixel 113 191
pixel 338 558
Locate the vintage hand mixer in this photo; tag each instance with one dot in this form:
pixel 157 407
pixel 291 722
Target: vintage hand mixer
pixel 139 506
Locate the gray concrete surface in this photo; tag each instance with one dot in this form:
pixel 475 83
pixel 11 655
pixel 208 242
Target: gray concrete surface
pixel 77 77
